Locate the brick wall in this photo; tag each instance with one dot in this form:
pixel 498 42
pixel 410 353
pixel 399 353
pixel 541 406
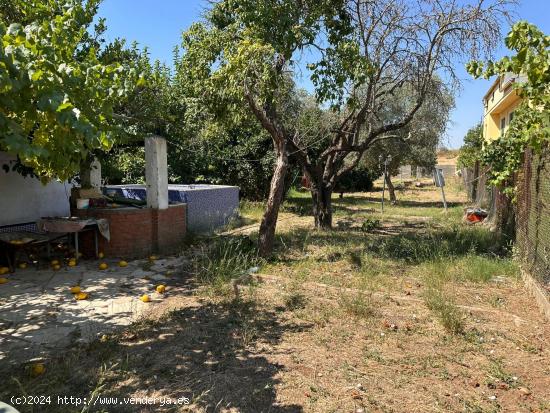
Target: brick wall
pixel 171 227
pixel 533 215
pixel 137 233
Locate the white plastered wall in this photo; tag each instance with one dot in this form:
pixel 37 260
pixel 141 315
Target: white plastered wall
pixel 27 199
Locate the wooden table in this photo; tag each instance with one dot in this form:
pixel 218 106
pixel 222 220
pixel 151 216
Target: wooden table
pixel 22 241
pixel 71 225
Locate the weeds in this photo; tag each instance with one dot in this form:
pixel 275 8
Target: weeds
pixel 471 268
pixel 370 224
pixel 295 300
pixel 446 310
pixel 498 374
pixel 355 259
pixel 224 259
pixel 477 269
pixel 416 248
pixel 358 305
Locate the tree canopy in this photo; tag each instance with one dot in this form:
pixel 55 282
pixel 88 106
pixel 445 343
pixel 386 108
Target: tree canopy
pixel 470 152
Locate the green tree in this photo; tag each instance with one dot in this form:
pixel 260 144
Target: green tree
pixel 469 156
pixel 470 152
pixel 240 58
pixel 56 96
pixel 416 143
pixel 530 127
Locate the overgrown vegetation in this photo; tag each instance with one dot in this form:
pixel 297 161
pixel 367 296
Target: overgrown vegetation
pixel 530 127
pixel 223 259
pixel 438 243
pixel 450 316
pixel 333 309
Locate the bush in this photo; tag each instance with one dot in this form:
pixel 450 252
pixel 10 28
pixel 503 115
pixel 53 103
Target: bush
pixel 446 310
pixel 224 258
pixel 357 180
pixel 370 224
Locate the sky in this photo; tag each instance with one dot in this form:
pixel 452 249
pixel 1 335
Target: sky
pixel 158 26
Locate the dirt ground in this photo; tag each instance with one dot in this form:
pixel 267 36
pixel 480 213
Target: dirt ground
pixel 406 311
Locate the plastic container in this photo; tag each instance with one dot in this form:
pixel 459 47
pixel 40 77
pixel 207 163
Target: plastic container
pixel 82 203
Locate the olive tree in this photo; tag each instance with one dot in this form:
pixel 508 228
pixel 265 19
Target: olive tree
pixel 416 143
pixel 241 56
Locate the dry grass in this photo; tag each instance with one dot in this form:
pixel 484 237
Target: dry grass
pixel 417 314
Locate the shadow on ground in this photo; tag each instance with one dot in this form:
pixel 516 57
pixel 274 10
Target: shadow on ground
pixel 207 353
pixel 410 242
pixel 39 316
pixel 409 203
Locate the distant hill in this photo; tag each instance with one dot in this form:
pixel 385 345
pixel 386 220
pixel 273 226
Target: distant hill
pixel 447 157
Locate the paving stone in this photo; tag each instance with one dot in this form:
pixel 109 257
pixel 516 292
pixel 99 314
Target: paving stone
pixel 53 336
pixel 140 273
pixel 14 289
pixel 158 277
pixel 38 313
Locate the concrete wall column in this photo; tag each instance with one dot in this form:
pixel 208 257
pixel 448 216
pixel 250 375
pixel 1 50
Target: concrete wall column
pixel 95 174
pixel 156 172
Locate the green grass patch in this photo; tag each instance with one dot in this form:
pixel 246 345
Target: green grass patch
pixel 471 268
pixel 359 305
pixel 223 259
pixel 447 312
pixel 436 244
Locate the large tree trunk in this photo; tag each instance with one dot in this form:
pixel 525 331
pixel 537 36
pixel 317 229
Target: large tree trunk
pixel 391 189
pixel 321 195
pixel 505 216
pixel 502 216
pixel 85 172
pixel 276 192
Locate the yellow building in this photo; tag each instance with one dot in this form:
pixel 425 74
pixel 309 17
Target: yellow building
pixel 499 103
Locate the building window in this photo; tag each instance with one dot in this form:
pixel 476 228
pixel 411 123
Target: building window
pixel 511 116
pixel 502 125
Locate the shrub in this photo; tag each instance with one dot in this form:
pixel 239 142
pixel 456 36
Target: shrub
pixel 224 258
pixel 370 224
pixel 446 311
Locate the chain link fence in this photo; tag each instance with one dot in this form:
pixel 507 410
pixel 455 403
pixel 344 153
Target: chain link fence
pixel 533 215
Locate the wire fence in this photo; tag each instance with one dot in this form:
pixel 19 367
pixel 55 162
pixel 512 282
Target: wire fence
pixel 533 215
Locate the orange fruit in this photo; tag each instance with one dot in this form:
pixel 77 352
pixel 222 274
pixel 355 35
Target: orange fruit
pixel 4 270
pixel 153 258
pixel 54 262
pixel 81 296
pixel 37 369
pixel 56 267
pixel 103 266
pixel 76 289
pixel 72 263
pixel 22 265
pixel 3 280
pixel 100 255
pixel 145 298
pixel 161 289
pixel 122 263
